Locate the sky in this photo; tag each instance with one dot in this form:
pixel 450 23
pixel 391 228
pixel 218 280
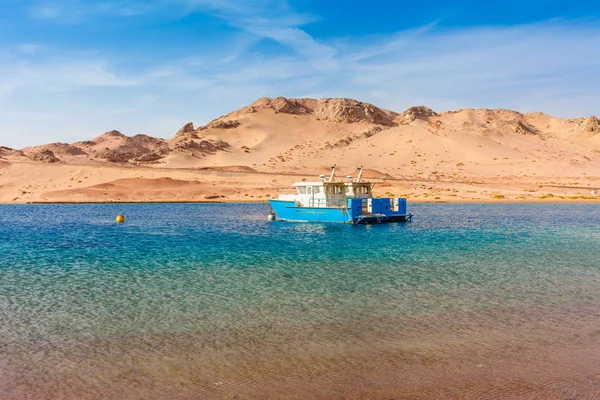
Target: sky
pixel 73 69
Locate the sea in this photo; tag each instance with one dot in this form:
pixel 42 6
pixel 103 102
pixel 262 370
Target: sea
pixel 212 301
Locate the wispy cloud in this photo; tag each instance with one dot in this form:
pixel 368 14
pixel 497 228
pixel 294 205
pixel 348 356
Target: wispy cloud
pixel 73 11
pixel 32 67
pixel 282 25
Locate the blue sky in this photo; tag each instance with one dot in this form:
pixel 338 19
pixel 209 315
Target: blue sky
pixel 72 69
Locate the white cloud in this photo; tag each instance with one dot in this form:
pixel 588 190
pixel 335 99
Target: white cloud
pixel 45 11
pixel 69 72
pixel 73 11
pixel 29 48
pixel 282 24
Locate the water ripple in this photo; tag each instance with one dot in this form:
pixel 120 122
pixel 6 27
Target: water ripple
pixel 213 301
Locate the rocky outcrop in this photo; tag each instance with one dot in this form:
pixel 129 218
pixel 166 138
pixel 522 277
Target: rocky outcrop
pixel 417 112
pixel 187 129
pixel 115 155
pixel 592 125
pixel 149 143
pixel 522 129
pixel 115 147
pixel 351 138
pixel 330 109
pixel 352 111
pixel 202 146
pixel 224 124
pixel 128 154
pixel 65 149
pixel 110 134
pixel 282 105
pixel 44 155
pixel 371 132
pixel 7 151
pixel 53 152
pixel 149 157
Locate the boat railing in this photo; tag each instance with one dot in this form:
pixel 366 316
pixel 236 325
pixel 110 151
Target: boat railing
pixel 329 203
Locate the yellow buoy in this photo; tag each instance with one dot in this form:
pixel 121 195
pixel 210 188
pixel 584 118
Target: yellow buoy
pixel 120 219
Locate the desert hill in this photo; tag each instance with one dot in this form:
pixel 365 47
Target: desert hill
pixel 417 152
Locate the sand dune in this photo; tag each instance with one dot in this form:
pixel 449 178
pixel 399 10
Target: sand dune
pixel 136 189
pixel 252 153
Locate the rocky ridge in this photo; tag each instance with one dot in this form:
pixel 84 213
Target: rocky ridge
pixel 214 137
pixel 338 110
pixel 8 152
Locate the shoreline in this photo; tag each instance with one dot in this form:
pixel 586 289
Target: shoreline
pixel 463 201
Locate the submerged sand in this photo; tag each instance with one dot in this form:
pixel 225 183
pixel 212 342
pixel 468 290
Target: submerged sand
pixel 550 357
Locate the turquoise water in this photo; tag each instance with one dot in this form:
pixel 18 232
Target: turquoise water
pixel 214 301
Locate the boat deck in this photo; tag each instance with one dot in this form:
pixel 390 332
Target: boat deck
pixel 365 219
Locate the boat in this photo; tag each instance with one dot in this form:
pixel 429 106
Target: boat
pixel 348 201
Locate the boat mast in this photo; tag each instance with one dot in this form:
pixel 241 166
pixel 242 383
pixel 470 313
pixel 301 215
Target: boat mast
pixel 360 172
pixel 332 176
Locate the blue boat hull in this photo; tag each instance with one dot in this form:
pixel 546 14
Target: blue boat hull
pixel 350 214
pixel 288 211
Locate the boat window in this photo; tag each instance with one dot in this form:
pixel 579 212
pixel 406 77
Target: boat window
pixel 302 189
pixel 309 189
pixel 362 189
pixel 316 189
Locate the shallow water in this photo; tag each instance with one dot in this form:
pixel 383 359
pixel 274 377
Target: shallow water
pixel 213 301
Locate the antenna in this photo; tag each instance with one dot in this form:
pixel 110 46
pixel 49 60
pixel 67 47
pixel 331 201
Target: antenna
pixel 332 176
pixel 360 172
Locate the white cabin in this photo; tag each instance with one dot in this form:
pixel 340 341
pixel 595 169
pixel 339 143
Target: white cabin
pixel 329 192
